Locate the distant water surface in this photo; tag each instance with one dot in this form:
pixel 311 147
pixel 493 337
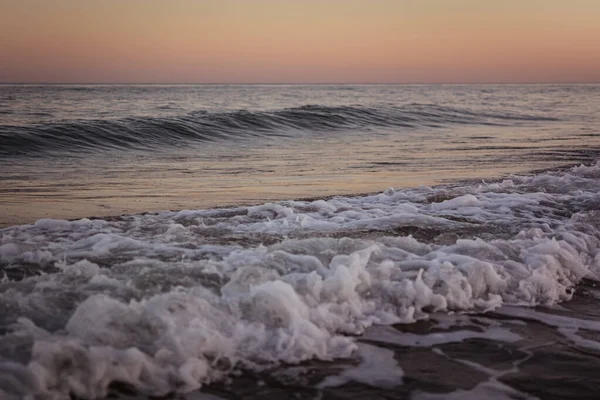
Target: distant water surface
pixel 74 151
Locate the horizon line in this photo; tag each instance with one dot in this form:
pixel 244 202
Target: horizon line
pixel 302 83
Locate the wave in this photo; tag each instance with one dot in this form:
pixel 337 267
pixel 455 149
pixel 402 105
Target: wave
pixel 170 301
pixel 201 126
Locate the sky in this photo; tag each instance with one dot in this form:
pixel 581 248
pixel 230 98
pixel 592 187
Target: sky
pixel 299 41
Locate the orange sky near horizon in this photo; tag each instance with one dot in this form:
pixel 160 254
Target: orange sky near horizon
pixel 299 41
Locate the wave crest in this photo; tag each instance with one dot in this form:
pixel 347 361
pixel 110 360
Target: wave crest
pixel 201 126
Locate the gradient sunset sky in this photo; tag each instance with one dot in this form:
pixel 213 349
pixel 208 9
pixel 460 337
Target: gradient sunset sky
pixel 299 41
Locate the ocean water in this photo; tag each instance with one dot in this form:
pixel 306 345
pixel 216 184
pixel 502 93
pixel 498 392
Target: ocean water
pixel 81 151
pixel 315 242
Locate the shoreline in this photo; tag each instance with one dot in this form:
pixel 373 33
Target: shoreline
pixel 217 206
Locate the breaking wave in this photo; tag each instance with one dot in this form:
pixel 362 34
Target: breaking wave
pixel 153 132
pixel 170 301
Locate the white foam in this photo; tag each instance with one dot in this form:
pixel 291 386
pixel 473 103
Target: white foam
pixel 491 389
pixel 82 268
pixel 467 200
pixel 171 301
pixel 387 335
pixel 567 326
pixel 377 367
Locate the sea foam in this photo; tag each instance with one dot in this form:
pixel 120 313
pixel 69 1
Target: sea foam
pixel 170 301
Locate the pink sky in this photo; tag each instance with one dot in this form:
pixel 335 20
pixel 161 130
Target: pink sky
pixel 299 41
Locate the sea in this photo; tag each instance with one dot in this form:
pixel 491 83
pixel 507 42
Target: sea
pixel 325 242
